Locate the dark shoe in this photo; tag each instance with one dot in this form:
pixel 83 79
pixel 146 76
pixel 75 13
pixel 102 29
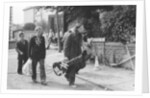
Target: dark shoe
pixel 43 83
pixel 34 81
pixel 73 86
pixel 20 73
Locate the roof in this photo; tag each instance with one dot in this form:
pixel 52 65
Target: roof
pixel 32 7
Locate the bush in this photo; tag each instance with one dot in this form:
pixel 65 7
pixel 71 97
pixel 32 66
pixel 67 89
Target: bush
pixel 119 24
pixel 29 26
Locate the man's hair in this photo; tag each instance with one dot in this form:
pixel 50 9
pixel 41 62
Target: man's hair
pixel 78 25
pixel 37 28
pixel 21 33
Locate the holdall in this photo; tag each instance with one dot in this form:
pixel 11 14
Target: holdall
pixel 60 68
pixel 27 68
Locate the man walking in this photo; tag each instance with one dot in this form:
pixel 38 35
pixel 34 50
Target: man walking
pixel 72 49
pixel 22 50
pixel 37 53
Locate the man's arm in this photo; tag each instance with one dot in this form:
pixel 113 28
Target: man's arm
pixel 17 48
pixel 44 48
pixel 27 49
pixel 30 47
pixel 67 45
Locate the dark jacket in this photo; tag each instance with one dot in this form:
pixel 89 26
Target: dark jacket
pixel 72 45
pixel 23 47
pixel 37 51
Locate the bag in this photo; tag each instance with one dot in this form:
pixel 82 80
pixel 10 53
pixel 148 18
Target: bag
pixel 60 68
pixel 78 62
pixel 27 68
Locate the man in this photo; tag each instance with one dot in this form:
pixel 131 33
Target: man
pixel 65 36
pixel 72 49
pixel 37 53
pixel 50 37
pixel 22 50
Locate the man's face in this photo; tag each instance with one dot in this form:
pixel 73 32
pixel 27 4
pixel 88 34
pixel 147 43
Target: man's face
pixel 81 29
pixel 22 36
pixel 39 32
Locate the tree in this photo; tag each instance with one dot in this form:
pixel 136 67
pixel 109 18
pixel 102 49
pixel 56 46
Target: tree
pixel 29 26
pixel 88 15
pixel 119 24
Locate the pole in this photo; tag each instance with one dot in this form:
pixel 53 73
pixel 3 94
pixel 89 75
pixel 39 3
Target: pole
pixel 58 37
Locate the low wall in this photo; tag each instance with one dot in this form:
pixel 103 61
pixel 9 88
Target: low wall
pixel 113 53
pixel 12 44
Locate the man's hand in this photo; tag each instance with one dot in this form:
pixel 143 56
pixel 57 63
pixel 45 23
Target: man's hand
pixel 65 59
pixel 21 53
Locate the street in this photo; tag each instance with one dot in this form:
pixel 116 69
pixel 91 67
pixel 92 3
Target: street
pixel 106 78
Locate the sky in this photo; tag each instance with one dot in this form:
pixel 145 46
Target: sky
pixel 18 14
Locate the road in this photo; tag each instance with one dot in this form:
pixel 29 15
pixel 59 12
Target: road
pixel 88 79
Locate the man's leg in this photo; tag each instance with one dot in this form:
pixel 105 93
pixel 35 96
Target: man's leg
pixel 72 78
pixel 42 72
pixel 20 63
pixel 34 64
pixel 49 42
pixel 25 59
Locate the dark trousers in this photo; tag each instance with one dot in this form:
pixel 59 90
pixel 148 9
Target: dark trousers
pixel 72 71
pixel 21 61
pixel 42 69
pixel 70 75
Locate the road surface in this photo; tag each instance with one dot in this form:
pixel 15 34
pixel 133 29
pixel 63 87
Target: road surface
pixel 106 78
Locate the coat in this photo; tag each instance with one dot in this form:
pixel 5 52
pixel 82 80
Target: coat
pixel 37 51
pixel 23 48
pixel 72 45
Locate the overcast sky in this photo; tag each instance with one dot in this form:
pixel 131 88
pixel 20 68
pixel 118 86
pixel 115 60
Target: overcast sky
pixel 18 15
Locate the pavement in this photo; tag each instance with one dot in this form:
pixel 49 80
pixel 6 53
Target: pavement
pixel 104 78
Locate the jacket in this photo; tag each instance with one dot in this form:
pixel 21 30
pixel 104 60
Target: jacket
pixel 37 51
pixel 72 45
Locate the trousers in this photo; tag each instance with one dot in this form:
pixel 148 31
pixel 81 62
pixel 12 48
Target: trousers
pixel 21 61
pixel 42 69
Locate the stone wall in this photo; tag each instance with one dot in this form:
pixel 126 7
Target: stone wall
pixel 112 53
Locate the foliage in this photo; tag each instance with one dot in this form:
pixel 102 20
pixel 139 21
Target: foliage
pixel 29 26
pixel 86 13
pixel 119 24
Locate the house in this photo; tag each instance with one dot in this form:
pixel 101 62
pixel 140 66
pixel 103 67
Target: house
pixel 44 17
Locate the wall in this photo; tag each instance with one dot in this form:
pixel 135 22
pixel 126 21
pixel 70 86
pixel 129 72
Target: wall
pixel 113 53
pixel 29 16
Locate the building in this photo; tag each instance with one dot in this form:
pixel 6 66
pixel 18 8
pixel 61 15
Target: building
pixel 45 17
pixel 29 14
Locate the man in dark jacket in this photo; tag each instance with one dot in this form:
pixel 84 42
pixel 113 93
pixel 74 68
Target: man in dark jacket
pixel 72 49
pixel 22 50
pixel 37 53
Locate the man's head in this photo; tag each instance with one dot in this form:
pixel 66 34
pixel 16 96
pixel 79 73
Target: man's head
pixel 39 31
pixel 21 35
pixel 80 28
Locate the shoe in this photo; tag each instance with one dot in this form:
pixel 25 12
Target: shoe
pixel 34 81
pixel 73 86
pixel 43 83
pixel 20 73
